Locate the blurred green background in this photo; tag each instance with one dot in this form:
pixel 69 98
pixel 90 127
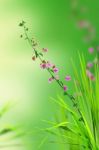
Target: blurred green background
pixel 21 80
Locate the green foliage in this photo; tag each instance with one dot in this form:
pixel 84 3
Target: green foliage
pixel 10 132
pixel 79 123
pixel 69 127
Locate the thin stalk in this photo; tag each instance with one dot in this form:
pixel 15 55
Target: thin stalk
pixel 72 98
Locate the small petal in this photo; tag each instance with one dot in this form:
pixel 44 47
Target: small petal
pixel 55 70
pixel 45 50
pixel 90 75
pixel 68 78
pixel 50 80
pixel 65 88
pixel 89 64
pixel 43 65
pixel 91 50
pixel 48 65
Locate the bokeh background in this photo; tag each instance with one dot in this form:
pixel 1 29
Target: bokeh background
pixel 21 80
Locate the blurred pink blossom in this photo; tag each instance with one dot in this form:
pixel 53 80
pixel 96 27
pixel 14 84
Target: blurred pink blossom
pixel 65 88
pixel 91 50
pixel 89 64
pixel 50 80
pixel 44 49
pixel 68 78
pixel 55 70
pixel 90 75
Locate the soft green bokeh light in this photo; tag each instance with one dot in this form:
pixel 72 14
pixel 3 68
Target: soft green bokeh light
pixel 21 80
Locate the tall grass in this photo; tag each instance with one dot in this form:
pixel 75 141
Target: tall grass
pixel 73 132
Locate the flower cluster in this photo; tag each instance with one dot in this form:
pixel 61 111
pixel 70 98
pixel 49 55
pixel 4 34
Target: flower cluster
pixel 52 69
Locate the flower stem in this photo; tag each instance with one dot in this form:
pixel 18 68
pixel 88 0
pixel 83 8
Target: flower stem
pixel 72 98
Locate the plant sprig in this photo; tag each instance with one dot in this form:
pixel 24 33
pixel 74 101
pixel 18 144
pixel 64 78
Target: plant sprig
pixel 81 121
pixel 39 55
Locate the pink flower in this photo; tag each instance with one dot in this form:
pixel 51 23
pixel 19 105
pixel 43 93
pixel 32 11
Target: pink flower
pixel 68 78
pixel 55 70
pixel 90 75
pixel 43 65
pixel 44 49
pixel 89 64
pixel 48 65
pixel 50 80
pixel 65 88
pixel 91 50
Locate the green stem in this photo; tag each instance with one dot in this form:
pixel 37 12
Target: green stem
pixel 58 81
